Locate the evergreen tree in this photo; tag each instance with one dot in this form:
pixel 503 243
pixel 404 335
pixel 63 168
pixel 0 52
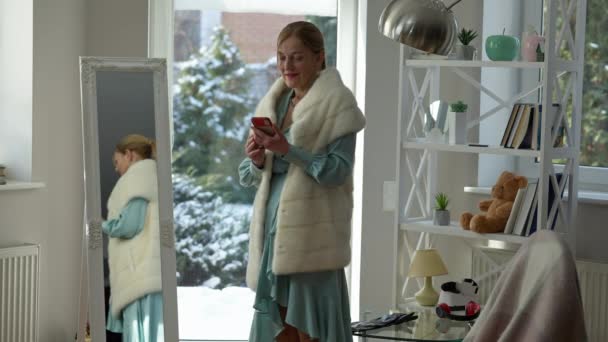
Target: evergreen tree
pixel 328 27
pixel 211 237
pixel 211 108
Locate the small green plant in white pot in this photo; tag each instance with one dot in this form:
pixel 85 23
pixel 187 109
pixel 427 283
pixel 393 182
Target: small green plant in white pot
pixel 441 214
pixel 464 50
pixel 457 123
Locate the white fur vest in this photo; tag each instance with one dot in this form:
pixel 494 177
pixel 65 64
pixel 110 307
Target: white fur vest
pixel 135 263
pixel 313 221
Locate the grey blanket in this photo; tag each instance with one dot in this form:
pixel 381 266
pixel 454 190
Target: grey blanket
pixel 536 298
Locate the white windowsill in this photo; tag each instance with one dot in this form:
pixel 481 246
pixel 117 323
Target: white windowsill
pixel 584 196
pixel 18 185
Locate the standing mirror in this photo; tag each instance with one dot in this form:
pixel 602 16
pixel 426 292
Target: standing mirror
pixel 129 210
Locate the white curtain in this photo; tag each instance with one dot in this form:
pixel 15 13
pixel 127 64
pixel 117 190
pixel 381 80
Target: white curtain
pixel 306 7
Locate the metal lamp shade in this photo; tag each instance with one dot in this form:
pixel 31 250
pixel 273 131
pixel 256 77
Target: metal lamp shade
pixel 425 25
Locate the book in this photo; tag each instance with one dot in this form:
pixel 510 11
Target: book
pixel 523 128
pixel 514 210
pixel 526 129
pixel 555 126
pixel 518 116
pixel 550 199
pixel 529 139
pixel 526 206
pixel 535 144
pixel 531 216
pixel 505 135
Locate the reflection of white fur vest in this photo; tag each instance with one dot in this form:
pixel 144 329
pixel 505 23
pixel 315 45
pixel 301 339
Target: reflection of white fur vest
pixel 313 221
pixel 135 263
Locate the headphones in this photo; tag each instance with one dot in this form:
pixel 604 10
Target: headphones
pixel 452 292
pixel 471 310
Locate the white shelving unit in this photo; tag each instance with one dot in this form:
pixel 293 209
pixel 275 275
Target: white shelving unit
pixel 561 83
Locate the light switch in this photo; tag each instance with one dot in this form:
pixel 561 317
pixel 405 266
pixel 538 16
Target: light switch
pixel 388 196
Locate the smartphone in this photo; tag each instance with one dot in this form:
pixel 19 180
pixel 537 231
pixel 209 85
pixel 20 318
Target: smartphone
pixel 264 124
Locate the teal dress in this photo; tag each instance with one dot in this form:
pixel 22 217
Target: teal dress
pixel 317 302
pixel 142 320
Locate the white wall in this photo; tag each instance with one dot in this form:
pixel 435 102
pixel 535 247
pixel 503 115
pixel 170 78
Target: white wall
pixel 117 28
pixel 380 108
pixel 16 88
pixel 52 217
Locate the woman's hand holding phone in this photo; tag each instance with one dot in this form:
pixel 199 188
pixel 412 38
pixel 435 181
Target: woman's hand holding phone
pixel 263 123
pixel 275 141
pixel 255 152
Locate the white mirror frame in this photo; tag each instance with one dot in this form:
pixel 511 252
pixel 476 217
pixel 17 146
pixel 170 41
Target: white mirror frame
pixel 94 241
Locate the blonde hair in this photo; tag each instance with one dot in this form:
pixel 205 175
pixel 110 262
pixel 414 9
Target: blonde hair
pixel 307 33
pixel 144 147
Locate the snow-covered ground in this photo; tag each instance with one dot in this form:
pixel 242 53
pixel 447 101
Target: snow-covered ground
pixel 209 314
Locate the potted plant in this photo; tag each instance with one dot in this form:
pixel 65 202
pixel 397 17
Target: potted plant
pixel 457 123
pixel 441 214
pixel 464 50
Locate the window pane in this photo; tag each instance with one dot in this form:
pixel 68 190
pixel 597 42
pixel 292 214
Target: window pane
pixel 224 63
pixel 594 142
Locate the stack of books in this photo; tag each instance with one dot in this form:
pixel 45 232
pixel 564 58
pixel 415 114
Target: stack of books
pixel 522 220
pixel 523 130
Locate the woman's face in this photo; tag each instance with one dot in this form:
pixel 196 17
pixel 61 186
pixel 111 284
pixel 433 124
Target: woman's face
pixel 122 161
pixel 297 64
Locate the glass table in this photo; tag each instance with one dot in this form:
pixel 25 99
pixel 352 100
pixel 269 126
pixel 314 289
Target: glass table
pixel 427 327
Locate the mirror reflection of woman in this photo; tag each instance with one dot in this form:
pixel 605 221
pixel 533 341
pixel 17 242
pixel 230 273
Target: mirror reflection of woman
pixel 300 231
pixel 136 307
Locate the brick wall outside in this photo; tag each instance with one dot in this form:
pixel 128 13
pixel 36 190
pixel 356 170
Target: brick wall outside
pixel 256 34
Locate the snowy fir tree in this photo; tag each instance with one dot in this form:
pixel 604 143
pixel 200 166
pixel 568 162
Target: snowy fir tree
pixel 211 112
pixel 211 236
pixel 212 107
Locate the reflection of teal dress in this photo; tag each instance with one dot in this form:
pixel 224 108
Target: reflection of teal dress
pixel 317 303
pixel 142 320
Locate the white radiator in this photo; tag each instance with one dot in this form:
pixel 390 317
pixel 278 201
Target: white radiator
pixel 19 283
pixel 593 279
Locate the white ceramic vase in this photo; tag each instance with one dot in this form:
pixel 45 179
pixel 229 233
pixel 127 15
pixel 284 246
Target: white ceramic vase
pixel 457 131
pixel 464 52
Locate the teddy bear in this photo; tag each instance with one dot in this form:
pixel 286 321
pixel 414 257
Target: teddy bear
pixel 498 208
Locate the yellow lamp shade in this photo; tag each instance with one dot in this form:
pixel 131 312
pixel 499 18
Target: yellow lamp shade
pixel 426 262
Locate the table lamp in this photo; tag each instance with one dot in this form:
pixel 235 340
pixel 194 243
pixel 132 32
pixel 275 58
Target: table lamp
pixel 427 263
pixel 426 25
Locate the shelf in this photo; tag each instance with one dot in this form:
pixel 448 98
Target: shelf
pixel 17 185
pixel 425 63
pixel 584 196
pixel 455 230
pixel 423 145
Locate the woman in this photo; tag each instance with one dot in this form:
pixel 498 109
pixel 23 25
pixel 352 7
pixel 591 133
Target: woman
pixel 136 307
pixel 300 230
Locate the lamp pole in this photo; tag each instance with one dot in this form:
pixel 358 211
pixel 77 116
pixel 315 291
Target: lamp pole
pixel 454 4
